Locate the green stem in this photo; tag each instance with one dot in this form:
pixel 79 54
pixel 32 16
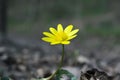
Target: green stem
pixel 60 64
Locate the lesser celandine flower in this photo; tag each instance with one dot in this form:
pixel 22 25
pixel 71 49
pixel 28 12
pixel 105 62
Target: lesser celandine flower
pixel 60 35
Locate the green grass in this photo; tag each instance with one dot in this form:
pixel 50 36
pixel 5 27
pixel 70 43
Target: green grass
pixel 103 31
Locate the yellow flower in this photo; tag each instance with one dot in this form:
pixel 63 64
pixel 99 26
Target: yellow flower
pixel 60 35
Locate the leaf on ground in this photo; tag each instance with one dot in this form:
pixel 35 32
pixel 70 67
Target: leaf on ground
pixel 64 72
pixel 5 78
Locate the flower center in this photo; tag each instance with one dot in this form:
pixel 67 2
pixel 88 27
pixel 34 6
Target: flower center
pixel 61 36
pixel 64 37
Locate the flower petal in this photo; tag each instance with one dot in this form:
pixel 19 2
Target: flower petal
pixel 71 37
pixel 54 43
pixel 47 39
pixel 53 30
pixel 65 42
pixel 73 32
pixel 59 28
pixel 48 34
pixel 68 29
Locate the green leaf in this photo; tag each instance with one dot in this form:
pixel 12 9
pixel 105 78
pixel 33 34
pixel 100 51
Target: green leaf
pixel 42 79
pixel 4 78
pixel 65 72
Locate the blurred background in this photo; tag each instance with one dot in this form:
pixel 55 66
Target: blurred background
pixel 23 21
pixel 98 21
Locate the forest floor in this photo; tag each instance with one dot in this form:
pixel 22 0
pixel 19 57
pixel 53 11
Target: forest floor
pixel 26 63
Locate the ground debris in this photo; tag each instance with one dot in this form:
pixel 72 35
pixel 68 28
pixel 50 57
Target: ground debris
pixel 95 74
